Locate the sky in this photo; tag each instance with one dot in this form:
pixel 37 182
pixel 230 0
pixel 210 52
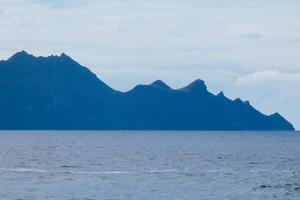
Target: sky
pixel 248 49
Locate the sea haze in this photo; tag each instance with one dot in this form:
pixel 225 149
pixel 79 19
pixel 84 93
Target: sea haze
pixel 149 165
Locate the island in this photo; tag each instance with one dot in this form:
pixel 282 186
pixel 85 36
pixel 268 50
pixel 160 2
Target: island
pixel 57 93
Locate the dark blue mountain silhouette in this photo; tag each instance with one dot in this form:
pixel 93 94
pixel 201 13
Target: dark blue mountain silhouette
pixel 56 92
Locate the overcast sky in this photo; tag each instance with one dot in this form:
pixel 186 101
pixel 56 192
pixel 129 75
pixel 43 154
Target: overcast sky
pixel 248 49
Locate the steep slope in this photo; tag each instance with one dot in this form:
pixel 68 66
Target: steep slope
pixel 49 92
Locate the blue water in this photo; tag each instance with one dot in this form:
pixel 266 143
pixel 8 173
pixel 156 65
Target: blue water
pixel 149 165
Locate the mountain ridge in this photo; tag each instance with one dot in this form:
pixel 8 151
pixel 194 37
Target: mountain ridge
pixel 56 92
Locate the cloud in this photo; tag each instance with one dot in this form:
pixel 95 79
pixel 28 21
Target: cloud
pixel 170 32
pixel 263 77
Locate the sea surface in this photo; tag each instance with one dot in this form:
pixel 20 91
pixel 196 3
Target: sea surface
pixel 149 165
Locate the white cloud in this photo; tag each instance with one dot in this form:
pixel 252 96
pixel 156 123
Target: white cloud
pixel 267 76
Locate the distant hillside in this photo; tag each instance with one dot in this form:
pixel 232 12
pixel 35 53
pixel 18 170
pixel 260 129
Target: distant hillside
pixel 56 92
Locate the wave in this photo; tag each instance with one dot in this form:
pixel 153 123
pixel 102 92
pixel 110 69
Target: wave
pixel 69 166
pixel 163 171
pixel 99 172
pixel 85 172
pixel 71 172
pixel 24 170
pixel 34 170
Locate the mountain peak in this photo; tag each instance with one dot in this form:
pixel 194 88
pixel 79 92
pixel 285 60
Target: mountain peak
pixel 276 114
pixel 21 56
pixel 64 57
pixel 160 84
pixel 25 57
pixel 239 100
pixel 197 85
pixel 221 94
pixel 279 119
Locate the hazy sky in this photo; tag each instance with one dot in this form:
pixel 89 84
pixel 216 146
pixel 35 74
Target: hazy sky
pixel 248 49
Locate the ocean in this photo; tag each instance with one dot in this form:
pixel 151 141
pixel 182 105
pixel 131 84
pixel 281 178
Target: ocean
pixel 147 165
